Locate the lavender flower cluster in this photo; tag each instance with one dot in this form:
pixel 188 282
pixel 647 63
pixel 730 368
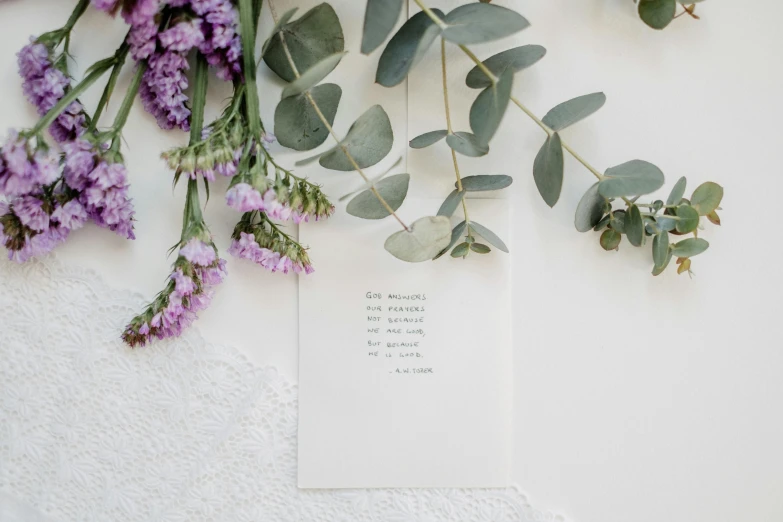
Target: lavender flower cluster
pixel 196 271
pixel 270 249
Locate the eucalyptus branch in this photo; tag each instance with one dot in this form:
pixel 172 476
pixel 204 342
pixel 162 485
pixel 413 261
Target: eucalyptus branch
pixel 449 127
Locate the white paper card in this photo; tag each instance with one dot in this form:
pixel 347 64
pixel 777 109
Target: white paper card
pixel 404 369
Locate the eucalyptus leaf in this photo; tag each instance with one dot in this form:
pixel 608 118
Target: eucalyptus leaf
pixel 368 184
pixel 610 240
pixel 478 23
pixel 487 111
pixel 590 209
pixel 368 141
pixel 461 250
pixel 603 223
pixel 426 238
pixel 678 191
pixel 707 197
pixel 661 249
pixel 483 182
pixel 427 139
pixel 276 29
pixel 573 111
pixel 392 189
pixel 548 169
pixel 690 247
pixel 617 222
pixel 666 223
pixel 657 13
pixel 406 48
pixel 451 203
pixel 659 270
pixel 310 38
pixel 313 75
pixel 633 178
pixel 297 125
pixel 379 20
pixel 480 248
pixel 456 233
pixel 467 144
pixel 634 226
pixel 516 59
pixel 688 219
pixel 490 236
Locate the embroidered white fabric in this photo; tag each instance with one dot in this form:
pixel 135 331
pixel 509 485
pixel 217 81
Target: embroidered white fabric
pixel 184 430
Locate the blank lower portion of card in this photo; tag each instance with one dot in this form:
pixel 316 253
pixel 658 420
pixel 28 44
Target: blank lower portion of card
pixel 404 369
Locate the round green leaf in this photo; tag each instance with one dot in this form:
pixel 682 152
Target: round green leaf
pixel 460 250
pixel 590 209
pixel 548 169
pixel 633 178
pixel 276 29
pixel 657 13
pixel 572 111
pixel 368 141
pixel 379 20
pixel 297 125
pixel 688 219
pixel 426 238
pixel 516 59
pixel 490 236
pixel 427 139
pixel 610 239
pixel 480 248
pixel 456 233
pixel 478 23
pixel 406 48
pixel 392 189
pixel 450 204
pixel 482 182
pixel 678 191
pixel 467 144
pixel 661 249
pixel 487 111
pixel 310 38
pixel 313 75
pixel 707 197
pixel 666 223
pixel 690 247
pixel 658 270
pixel 634 226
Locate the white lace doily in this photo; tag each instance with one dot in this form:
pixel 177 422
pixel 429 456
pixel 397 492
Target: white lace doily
pixel 179 431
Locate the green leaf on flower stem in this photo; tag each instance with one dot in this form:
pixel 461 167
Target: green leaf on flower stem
pixel 379 20
pixel 490 236
pixel 479 23
pixel 310 38
pixel 456 233
pixel 313 75
pixel 427 139
pixel 368 141
pixel 426 238
pixel 572 111
pixel 467 144
pixel 634 226
pixel 610 240
pixel 297 125
pixel 678 191
pixel 487 111
pixel 483 182
pixel 450 204
pixel 406 48
pixel 392 189
pixel 657 13
pixel 690 247
pixel 276 29
pixel 516 59
pixel 590 209
pixel 658 270
pixel 661 249
pixel 480 248
pixel 633 178
pixel 688 219
pixel 460 250
pixel 707 197
pixel 548 169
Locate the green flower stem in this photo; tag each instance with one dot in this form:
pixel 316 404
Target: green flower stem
pixel 77 13
pixel 127 104
pixel 247 26
pixel 329 128
pixel 449 128
pixel 122 54
pixel 192 213
pixel 273 226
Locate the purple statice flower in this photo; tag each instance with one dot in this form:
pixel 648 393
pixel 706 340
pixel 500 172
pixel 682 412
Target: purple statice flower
pixel 30 211
pixel 246 247
pixel 102 184
pixel 274 208
pixel 222 45
pixel 183 37
pixel 242 197
pixel 143 40
pixel 140 11
pixel 163 90
pixel 197 271
pixel 24 169
pixel 107 6
pixel 44 85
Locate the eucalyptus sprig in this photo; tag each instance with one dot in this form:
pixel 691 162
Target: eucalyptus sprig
pixel 622 184
pixel 658 14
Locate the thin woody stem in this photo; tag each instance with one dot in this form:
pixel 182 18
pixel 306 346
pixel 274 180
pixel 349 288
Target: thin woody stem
pixel 448 123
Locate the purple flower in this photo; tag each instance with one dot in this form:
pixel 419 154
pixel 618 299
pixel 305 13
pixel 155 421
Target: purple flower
pixel 198 252
pixel 246 247
pixel 162 90
pixel 27 229
pixel 25 169
pixel 71 215
pixel 244 198
pixel 143 39
pixel 30 211
pixel 105 5
pixel 183 37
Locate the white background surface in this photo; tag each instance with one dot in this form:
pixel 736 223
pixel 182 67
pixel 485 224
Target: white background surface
pixel 636 398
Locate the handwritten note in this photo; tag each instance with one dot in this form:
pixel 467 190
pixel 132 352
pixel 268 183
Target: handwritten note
pixel 404 369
